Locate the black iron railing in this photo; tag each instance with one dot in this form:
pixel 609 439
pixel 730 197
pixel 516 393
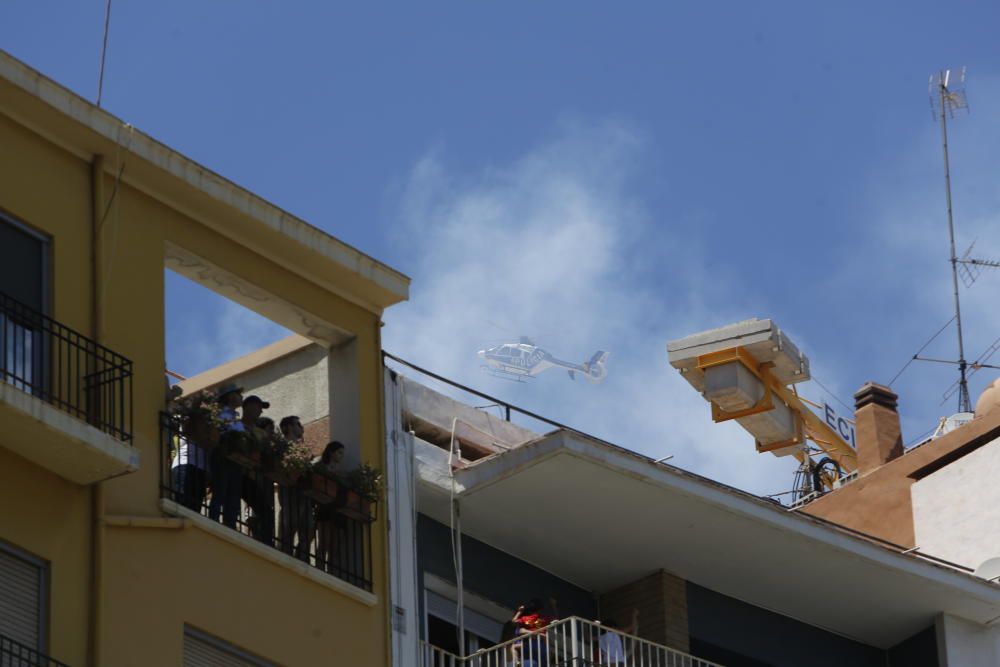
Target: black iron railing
pixel 16 654
pixel 65 368
pixel 304 515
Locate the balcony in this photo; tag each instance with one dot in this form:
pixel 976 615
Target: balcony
pixel 302 515
pixel 15 654
pixel 571 642
pixel 65 400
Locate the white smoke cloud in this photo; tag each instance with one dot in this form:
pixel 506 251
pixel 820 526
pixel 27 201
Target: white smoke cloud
pixel 554 246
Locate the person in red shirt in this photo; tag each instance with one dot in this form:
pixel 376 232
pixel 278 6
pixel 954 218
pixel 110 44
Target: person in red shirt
pixel 530 619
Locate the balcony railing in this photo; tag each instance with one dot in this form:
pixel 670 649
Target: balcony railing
pixel 254 497
pixel 64 368
pixel 571 642
pixel 16 654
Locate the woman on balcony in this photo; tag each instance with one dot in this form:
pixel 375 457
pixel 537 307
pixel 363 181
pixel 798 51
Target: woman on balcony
pixel 327 519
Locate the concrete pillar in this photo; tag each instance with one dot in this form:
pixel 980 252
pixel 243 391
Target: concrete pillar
pixel 345 406
pixel 661 599
pixel 879 437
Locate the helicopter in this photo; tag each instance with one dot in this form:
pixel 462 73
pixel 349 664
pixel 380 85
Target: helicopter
pixel 524 360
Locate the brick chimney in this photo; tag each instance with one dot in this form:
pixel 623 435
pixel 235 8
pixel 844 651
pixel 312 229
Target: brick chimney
pixel 879 438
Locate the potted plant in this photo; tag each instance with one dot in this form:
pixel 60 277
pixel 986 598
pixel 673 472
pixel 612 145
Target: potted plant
pixel 295 461
pixel 363 492
pixel 323 486
pixel 199 416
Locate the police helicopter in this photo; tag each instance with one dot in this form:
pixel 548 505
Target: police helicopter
pixel 524 360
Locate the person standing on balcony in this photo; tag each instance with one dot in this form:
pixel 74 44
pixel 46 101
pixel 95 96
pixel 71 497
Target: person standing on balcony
pixel 257 488
pixel 227 476
pixel 530 621
pixel 328 522
pixel 295 514
pixel 611 644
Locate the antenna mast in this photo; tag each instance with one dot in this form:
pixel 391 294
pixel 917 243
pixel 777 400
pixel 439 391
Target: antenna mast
pixel 945 100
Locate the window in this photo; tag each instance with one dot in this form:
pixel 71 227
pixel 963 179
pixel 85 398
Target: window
pixel 481 631
pixel 22 597
pixel 23 270
pixel 23 260
pixel 202 650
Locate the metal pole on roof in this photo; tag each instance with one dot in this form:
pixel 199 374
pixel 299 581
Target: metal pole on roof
pixel 459 579
pixel 454 454
pixel 964 403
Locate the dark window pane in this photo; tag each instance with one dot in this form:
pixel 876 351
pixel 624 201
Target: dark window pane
pixel 22 266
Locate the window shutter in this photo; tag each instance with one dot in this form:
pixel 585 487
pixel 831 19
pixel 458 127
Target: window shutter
pixel 204 651
pixel 20 600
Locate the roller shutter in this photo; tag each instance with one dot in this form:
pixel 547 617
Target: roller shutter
pixel 21 599
pixel 200 650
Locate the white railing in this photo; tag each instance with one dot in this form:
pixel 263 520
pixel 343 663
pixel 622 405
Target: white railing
pixel 571 642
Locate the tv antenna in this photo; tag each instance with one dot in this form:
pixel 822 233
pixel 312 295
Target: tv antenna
pixel 946 90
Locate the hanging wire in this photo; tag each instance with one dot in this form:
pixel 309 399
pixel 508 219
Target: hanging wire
pixel 920 438
pixel 922 348
pixel 835 397
pixel 104 51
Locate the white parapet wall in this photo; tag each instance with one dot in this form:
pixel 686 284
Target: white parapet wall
pixel 963 643
pixel 956 510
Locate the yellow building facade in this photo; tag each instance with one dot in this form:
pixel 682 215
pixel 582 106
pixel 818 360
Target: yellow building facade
pixel 115 573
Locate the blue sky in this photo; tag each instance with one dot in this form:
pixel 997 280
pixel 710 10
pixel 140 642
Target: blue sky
pixel 594 175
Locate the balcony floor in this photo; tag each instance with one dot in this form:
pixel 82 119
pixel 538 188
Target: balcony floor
pixel 59 442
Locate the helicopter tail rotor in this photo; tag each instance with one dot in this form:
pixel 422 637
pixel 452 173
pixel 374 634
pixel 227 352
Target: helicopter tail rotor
pixel 595 368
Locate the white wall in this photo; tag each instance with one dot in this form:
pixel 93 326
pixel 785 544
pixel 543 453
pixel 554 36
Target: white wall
pixel 401 506
pixel 296 384
pixel 962 643
pixel 956 510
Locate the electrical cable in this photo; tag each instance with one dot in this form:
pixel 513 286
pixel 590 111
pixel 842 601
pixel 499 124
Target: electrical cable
pixel 920 438
pixel 835 397
pixel 922 348
pixel 115 201
pixel 104 51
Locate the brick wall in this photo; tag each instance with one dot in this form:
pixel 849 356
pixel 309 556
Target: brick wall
pixel 661 599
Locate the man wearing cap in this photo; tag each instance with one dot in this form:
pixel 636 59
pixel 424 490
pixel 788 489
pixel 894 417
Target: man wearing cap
pixel 227 476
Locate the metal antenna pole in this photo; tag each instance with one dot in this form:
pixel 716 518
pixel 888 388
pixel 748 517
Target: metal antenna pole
pixel 964 403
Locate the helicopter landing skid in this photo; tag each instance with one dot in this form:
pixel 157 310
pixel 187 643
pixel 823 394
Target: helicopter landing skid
pixel 506 375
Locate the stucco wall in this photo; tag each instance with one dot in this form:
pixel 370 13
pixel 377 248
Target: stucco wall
pixel 294 385
pixel 965 644
pixel 956 510
pixel 879 503
pixel 32 498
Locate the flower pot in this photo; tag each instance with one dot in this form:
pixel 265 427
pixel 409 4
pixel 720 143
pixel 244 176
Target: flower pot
pixel 322 489
pixel 356 506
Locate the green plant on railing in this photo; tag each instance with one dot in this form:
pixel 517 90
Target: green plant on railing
pixel 367 481
pixel 297 458
pixel 202 404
